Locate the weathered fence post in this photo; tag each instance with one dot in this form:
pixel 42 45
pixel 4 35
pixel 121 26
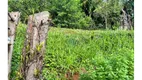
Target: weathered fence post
pixel 34 46
pixel 13 20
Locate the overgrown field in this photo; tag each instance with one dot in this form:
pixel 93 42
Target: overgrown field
pixel 89 55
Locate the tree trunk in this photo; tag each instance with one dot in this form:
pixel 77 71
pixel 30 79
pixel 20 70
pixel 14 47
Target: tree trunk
pixel 130 22
pixel 106 22
pixel 13 20
pixel 34 46
pixel 125 22
pixel 121 23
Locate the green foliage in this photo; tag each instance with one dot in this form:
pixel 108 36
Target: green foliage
pixel 106 55
pixel 27 7
pixel 80 14
pixel 36 72
pixel 107 8
pixel 17 50
pixel 38 47
pixel 129 8
pixel 105 14
pixel 68 13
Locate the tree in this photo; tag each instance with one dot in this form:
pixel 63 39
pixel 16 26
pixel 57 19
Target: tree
pixel 104 13
pixel 83 14
pixel 107 8
pixel 68 13
pixel 127 13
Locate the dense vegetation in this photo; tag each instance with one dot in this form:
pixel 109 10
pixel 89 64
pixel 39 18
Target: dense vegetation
pixel 83 14
pixel 104 55
pixel 93 48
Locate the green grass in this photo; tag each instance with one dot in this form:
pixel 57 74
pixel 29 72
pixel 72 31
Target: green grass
pixel 106 55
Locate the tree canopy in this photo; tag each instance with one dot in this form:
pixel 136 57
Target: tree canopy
pixel 81 14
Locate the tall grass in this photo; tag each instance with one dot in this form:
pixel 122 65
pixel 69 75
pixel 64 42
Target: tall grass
pixel 105 55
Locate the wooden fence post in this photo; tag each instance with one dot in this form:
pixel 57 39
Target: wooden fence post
pixel 13 20
pixel 34 46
